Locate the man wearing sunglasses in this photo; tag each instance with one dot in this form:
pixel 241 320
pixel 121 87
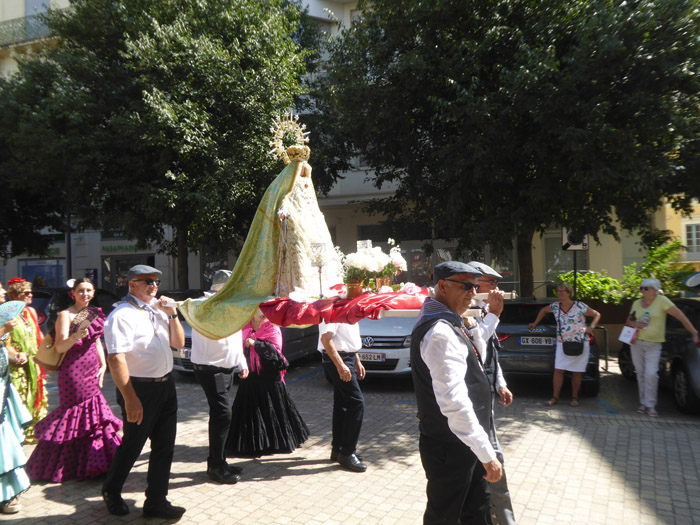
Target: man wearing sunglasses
pixel 488 345
pixel 454 403
pixel 139 333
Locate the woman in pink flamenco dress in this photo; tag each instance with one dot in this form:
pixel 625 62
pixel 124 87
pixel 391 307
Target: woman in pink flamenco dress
pixel 78 439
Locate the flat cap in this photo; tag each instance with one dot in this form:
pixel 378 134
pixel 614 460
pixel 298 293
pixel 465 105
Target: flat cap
pixel 141 269
pixel 486 270
pixel 449 268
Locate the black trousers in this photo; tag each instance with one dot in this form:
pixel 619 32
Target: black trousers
pixel 217 384
pixel 159 424
pixel 457 492
pixel 348 406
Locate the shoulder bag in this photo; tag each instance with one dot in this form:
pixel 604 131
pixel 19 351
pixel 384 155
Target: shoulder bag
pixel 47 356
pixel 570 348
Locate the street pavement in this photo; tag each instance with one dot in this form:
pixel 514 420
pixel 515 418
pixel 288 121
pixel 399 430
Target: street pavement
pixel 600 463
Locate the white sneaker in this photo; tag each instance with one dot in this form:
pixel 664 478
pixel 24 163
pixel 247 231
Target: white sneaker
pixel 642 409
pixel 652 412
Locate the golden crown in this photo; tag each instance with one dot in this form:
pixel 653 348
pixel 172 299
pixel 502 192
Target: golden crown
pixel 289 138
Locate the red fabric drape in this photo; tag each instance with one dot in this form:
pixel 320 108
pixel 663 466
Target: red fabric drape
pixel 285 312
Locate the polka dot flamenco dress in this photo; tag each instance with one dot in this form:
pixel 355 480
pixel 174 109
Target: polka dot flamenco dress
pixel 79 438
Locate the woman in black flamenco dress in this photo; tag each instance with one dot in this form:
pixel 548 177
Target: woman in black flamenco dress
pixel 265 419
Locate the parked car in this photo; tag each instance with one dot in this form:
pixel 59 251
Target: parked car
pixel 532 352
pixel 386 345
pixel 679 367
pixel 297 344
pixel 48 302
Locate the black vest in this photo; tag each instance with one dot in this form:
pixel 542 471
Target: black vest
pixel 432 422
pixel 493 345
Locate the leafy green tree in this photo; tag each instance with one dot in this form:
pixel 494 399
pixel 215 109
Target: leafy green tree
pixel 499 118
pixel 157 113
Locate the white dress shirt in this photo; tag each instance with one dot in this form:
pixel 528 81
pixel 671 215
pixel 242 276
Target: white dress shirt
pixel 445 356
pixel 481 334
pixel 145 343
pixel 224 353
pixel 346 337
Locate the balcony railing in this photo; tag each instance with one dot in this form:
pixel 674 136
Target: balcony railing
pixel 22 30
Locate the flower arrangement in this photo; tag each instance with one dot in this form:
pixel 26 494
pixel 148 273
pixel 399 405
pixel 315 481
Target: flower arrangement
pixel 396 263
pixel 371 263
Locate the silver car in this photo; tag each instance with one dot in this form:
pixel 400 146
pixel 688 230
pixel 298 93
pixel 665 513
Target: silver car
pixel 386 345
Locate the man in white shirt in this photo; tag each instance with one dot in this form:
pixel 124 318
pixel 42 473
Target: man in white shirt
pixel 454 403
pixel 486 341
pixel 339 343
pixel 215 363
pixel 139 334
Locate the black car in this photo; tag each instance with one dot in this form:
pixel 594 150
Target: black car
pixel 48 302
pixel 532 352
pixel 679 367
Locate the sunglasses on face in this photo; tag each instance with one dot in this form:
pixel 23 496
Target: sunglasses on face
pixel 149 282
pixel 27 293
pixel 646 288
pixel 467 286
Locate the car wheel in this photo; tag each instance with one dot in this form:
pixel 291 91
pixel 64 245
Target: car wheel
pixel 683 393
pixel 624 360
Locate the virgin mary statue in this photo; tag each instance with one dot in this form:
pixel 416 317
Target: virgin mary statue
pixel 276 256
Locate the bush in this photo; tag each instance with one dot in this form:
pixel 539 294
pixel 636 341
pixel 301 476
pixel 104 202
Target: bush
pixel 595 286
pixel 662 263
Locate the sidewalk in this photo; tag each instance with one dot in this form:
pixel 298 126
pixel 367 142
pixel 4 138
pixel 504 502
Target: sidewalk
pixel 598 464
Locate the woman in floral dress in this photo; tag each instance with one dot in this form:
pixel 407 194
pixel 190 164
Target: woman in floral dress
pixel 79 438
pixel 28 378
pixel 571 326
pixel 13 418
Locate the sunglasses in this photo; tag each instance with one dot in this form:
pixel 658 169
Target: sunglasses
pixel 467 286
pixel 646 288
pixel 149 282
pixel 27 293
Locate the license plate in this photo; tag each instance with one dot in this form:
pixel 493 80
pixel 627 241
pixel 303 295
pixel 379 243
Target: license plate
pixel 185 353
pixel 372 357
pixel 536 341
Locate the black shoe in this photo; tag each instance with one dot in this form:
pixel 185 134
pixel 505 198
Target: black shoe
pixel 351 463
pixel 164 509
pixel 335 452
pixel 221 474
pixel 115 503
pixel 234 469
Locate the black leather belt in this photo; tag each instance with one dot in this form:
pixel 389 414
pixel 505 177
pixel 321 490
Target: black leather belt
pixel 150 379
pixel 211 368
pixel 343 354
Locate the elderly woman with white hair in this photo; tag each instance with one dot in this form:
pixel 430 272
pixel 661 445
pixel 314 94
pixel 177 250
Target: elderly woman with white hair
pixel 648 316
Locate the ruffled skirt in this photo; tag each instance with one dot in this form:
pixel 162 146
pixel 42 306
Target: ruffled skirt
pixel 13 478
pixel 265 420
pixel 77 442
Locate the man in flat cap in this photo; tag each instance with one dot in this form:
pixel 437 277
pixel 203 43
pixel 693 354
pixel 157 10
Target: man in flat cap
pixel 139 334
pixel 454 403
pixel 486 342
pixel 215 363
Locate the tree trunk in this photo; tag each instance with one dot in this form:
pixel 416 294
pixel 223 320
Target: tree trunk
pixel 183 268
pixel 524 245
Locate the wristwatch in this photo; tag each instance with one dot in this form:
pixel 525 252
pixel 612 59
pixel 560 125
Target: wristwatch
pixel 174 316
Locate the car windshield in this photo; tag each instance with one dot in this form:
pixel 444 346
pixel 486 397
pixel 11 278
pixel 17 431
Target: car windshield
pixel 523 313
